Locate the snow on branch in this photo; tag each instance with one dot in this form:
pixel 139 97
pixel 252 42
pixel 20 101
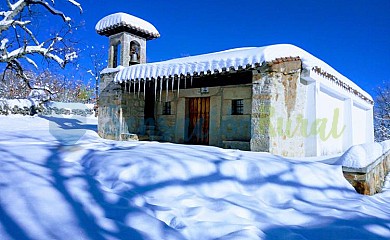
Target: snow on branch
pixel 31 45
pixel 76 4
pixel 51 9
pixel 19 39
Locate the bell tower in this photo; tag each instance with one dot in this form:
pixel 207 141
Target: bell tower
pixel 127 38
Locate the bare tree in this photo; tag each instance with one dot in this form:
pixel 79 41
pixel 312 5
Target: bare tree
pixel 20 42
pixel 98 61
pixel 62 88
pixel 382 113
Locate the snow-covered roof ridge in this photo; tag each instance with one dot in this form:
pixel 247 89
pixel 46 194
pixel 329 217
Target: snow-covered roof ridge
pixel 122 20
pixel 233 58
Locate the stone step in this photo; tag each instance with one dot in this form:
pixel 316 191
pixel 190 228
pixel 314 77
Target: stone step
pixel 129 137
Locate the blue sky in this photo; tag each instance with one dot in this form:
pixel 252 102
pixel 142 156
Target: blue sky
pixel 351 36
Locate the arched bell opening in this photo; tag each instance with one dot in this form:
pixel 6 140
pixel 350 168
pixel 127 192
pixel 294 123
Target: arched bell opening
pixel 135 53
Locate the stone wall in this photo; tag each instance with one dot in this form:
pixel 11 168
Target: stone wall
pixel 166 124
pixel 260 116
pixel 369 180
pixel 133 113
pixel 125 38
pixel 236 129
pixel 110 111
pixel 120 112
pixel 279 97
pixel 174 127
pixel 225 130
pixel 288 103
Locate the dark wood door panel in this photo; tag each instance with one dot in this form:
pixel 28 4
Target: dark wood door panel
pixel 199 118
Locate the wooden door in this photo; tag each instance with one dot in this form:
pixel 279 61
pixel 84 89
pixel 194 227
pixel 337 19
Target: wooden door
pixel 199 117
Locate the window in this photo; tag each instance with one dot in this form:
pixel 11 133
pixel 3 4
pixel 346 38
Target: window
pixel 167 108
pixel 237 107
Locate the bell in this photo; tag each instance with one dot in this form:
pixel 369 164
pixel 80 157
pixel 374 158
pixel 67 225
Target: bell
pixel 134 59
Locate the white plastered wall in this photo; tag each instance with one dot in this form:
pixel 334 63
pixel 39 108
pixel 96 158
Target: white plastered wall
pixel 360 120
pixel 331 115
pixel 354 115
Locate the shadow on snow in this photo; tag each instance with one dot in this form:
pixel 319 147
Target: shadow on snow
pixel 59 174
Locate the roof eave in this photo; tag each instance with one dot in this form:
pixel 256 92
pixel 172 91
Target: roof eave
pixel 126 28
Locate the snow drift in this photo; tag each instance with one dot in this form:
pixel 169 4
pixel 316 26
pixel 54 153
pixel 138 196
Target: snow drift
pixel 101 189
pixel 362 155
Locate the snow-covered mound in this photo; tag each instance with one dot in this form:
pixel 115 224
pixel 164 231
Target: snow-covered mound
pixel 18 106
pixel 101 189
pixel 16 102
pixel 360 156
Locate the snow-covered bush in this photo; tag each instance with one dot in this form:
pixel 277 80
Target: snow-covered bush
pixel 32 107
pixel 382 113
pixel 385 146
pixel 18 106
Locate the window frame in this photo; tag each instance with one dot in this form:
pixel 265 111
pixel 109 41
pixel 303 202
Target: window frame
pixel 237 107
pixel 167 108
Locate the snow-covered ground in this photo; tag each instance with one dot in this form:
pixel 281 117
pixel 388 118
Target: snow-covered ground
pixel 59 180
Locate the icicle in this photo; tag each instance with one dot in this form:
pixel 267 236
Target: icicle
pixel 144 89
pixel 160 89
pixel 173 82
pixel 178 85
pixel 129 86
pixel 155 81
pixel 139 87
pixel 185 81
pixel 134 88
pixel 191 80
pixel 166 91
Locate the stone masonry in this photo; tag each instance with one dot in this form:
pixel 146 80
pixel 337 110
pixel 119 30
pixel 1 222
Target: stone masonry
pixel 278 100
pixel 369 180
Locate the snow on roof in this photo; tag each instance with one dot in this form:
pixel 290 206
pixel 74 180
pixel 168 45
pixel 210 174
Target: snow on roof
pixel 108 25
pixel 225 60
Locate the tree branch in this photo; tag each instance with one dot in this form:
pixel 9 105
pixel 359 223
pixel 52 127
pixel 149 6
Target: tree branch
pixel 49 8
pixel 15 65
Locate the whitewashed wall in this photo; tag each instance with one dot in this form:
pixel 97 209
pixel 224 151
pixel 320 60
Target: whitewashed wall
pixel 328 106
pixel 359 123
pixel 355 114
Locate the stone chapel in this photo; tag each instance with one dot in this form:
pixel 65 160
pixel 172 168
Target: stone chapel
pixel 278 98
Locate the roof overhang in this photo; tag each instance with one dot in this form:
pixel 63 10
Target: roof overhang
pixel 123 22
pixel 242 59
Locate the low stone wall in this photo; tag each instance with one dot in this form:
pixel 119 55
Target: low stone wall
pixel 66 111
pixel 24 110
pixel 369 180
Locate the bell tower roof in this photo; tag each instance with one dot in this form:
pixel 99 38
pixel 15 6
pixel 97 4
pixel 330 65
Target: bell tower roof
pixel 123 22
